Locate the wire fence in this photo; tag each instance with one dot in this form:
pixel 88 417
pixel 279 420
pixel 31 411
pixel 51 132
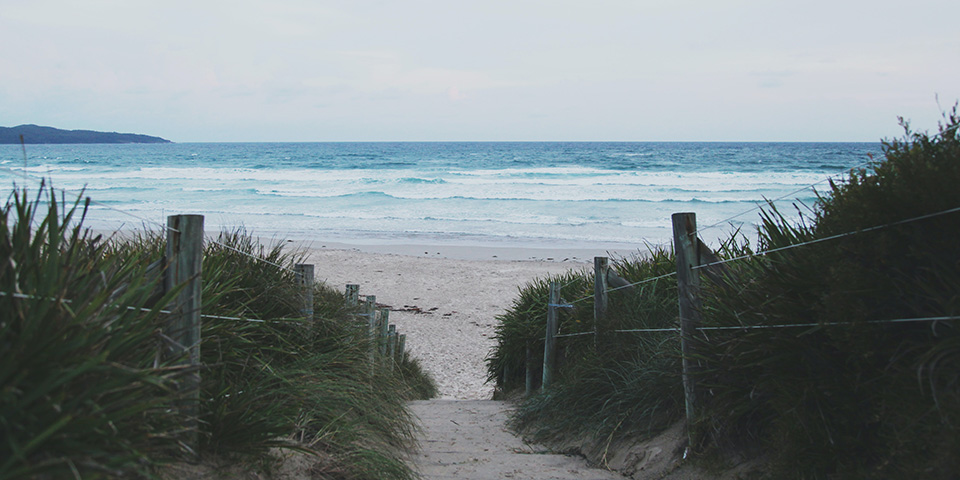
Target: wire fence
pixel 376 320
pixel 41 182
pixel 759 205
pixel 790 325
pixel 569 304
pixel 764 253
pixel 831 237
pixel 144 220
pixel 23 296
pixel 175 298
pixel 772 250
pixel 256 258
pixel 691 246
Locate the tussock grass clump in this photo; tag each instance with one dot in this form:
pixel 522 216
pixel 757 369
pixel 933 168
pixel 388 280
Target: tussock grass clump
pixel 418 384
pixel 81 388
pixel 862 399
pixel 84 390
pixel 289 382
pixel 622 383
pixel 848 396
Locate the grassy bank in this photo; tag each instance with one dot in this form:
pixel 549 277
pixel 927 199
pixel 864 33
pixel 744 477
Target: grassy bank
pixel 607 387
pixel 849 395
pixel 85 390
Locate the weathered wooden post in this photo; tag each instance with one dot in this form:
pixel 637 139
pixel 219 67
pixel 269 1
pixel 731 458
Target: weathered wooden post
pixel 392 346
pixel 401 347
pixel 685 246
pixel 304 272
pixel 528 367
pixel 352 295
pixel 370 308
pixel 184 258
pixel 550 340
pixel 600 267
pixel 384 331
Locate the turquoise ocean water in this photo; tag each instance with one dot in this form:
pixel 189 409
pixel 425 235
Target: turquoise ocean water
pixel 494 194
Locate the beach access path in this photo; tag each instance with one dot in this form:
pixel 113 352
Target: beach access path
pixel 446 299
pixel 468 439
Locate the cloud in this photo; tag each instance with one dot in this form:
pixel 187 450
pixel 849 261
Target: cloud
pixel 218 69
pixel 454 94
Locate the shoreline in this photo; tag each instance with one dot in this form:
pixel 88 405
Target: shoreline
pixel 536 250
pixel 474 252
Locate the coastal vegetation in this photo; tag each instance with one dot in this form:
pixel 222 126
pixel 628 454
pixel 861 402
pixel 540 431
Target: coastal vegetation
pixel 836 348
pixel 86 393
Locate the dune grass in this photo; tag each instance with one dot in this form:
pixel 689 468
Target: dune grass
pixel 84 391
pixel 861 399
pixel 623 383
pixel 846 397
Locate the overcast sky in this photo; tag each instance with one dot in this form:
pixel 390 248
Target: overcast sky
pixel 309 70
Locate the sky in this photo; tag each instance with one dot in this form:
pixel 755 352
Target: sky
pixel 412 70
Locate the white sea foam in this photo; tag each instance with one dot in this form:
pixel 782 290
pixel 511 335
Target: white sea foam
pixel 499 192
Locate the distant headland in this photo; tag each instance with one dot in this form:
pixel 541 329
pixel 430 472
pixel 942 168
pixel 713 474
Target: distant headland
pixel 36 134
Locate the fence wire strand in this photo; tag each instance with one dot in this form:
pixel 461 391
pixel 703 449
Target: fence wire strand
pixel 793 325
pixel 24 296
pixel 832 237
pixel 64 191
pixel 714 225
pixel 572 334
pixel 634 284
pixel 153 222
pixel 759 205
pixel 259 259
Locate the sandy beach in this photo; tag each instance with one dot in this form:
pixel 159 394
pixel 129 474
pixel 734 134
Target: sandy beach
pixel 459 290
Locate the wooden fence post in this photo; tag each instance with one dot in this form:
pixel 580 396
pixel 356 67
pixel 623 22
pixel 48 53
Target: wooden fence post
pixel 184 258
pixel 550 340
pixel 401 345
pixel 384 331
pixel 528 370
pixel 305 277
pixel 371 314
pixel 392 346
pixel 685 246
pixel 352 295
pixel 600 266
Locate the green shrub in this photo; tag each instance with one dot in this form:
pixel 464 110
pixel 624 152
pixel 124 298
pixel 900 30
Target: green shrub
pixel 632 386
pixel 859 399
pixel 289 382
pixel 82 391
pixel 418 385
pixel 848 395
pixel 85 392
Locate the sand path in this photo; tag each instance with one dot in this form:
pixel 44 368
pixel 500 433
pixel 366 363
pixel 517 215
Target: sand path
pixel 465 434
pixel 467 439
pixel 451 305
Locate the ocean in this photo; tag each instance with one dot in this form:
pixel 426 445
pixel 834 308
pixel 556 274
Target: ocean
pixel 536 194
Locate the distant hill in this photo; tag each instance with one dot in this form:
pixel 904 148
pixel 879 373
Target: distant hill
pixel 38 134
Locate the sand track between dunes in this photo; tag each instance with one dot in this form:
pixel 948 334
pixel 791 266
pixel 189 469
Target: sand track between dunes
pixel 468 439
pixel 447 307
